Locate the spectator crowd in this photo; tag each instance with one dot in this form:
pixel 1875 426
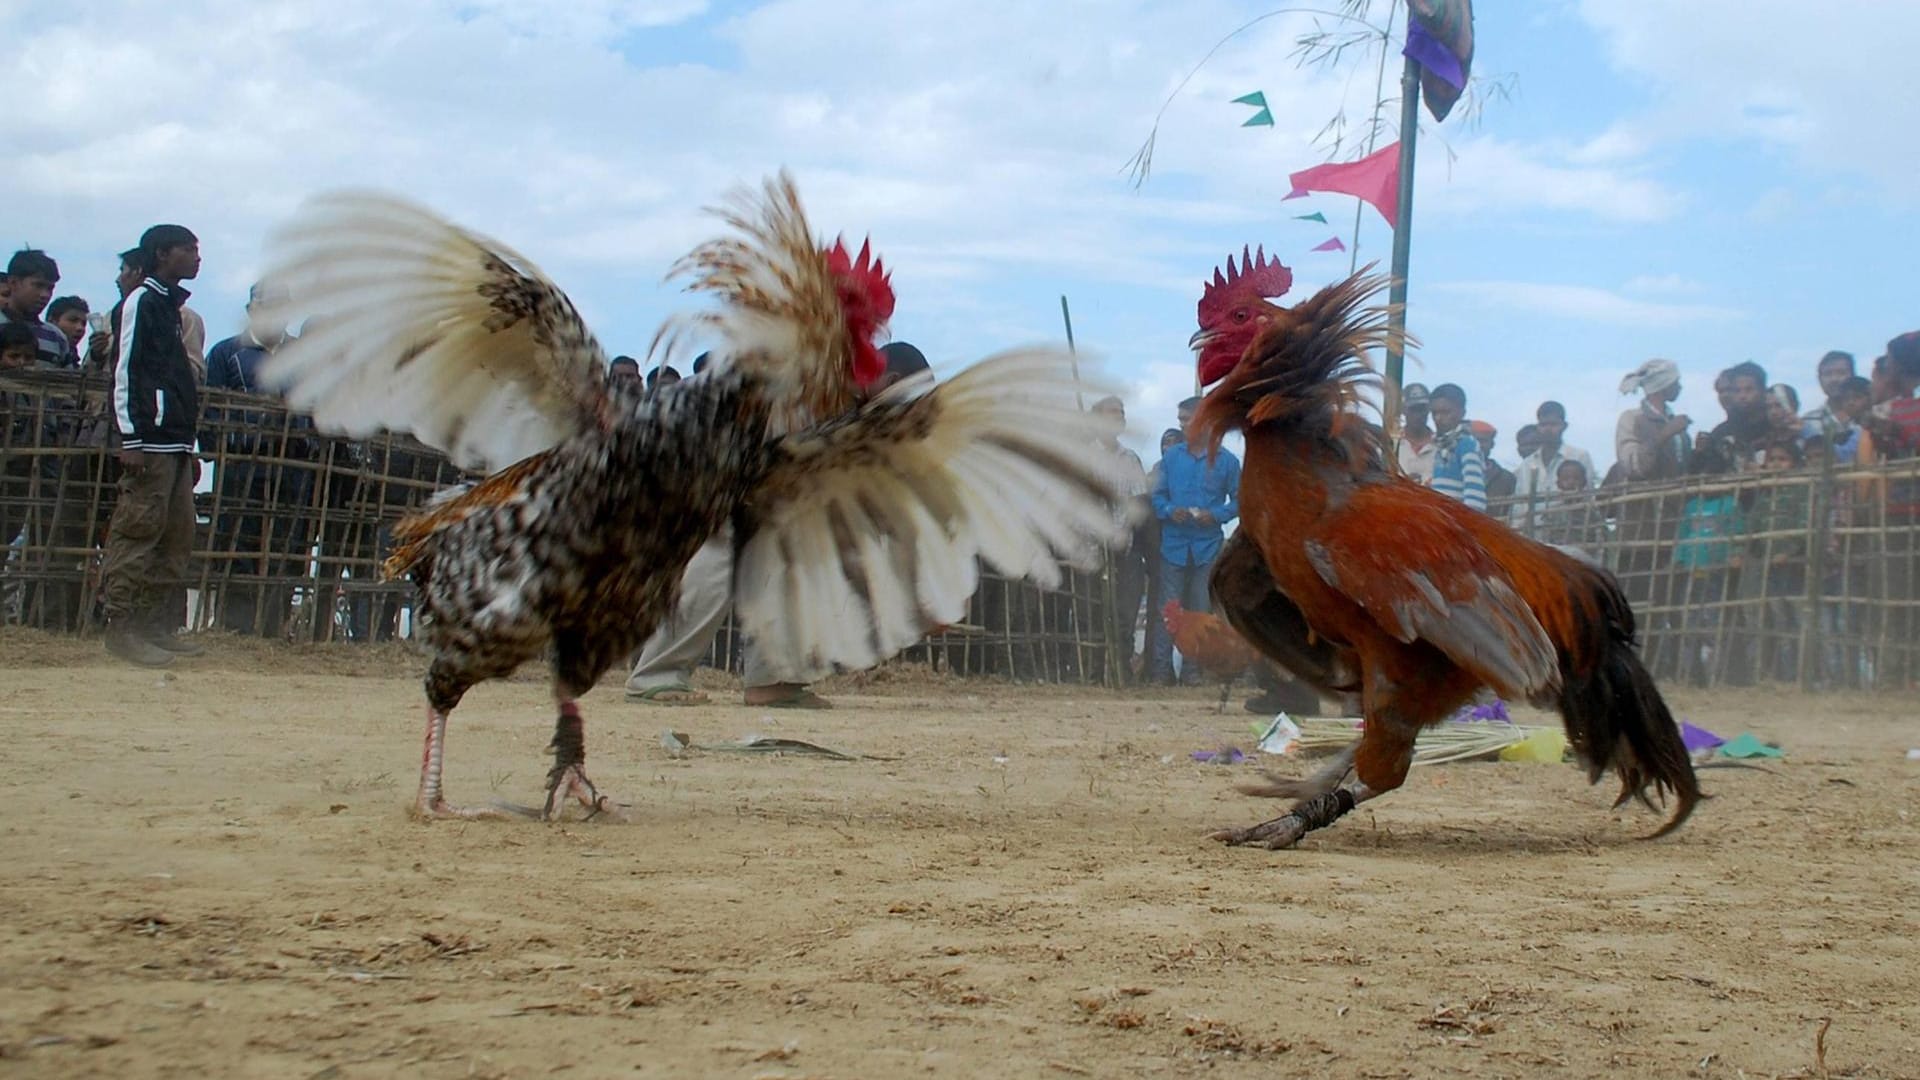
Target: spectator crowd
pixel 144 365
pixel 1683 554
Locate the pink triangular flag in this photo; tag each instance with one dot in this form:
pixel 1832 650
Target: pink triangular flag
pixel 1374 179
pixel 1332 244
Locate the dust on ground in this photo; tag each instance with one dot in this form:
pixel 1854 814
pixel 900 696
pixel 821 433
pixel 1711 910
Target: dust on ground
pixel 211 872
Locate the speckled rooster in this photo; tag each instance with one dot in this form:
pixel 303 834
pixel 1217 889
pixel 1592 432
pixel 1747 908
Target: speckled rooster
pixel 857 521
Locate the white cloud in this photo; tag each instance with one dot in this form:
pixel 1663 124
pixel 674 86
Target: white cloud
pixel 1584 302
pixel 1832 86
pixel 1615 145
pixel 1664 285
pixel 1489 174
pixel 981 145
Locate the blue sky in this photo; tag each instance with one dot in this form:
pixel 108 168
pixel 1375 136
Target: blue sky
pixel 1712 181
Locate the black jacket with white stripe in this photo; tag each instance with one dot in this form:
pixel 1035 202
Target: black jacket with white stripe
pixel 156 404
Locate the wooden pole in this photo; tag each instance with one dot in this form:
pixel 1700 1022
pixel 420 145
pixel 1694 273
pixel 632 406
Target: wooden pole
pixel 1066 316
pixel 1402 236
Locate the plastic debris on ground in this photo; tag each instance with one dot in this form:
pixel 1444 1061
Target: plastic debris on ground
pixel 1748 745
pixel 1491 712
pixel 1279 737
pixel 677 744
pixel 1544 746
pixel 1226 755
pixel 1699 739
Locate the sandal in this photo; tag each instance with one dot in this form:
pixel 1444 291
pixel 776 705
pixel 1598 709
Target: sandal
pixel 799 699
pixel 668 694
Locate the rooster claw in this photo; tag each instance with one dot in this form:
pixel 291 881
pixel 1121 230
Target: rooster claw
pixel 1276 835
pixel 571 782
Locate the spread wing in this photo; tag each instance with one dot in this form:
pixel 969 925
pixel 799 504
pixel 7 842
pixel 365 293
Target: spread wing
pixel 1396 550
pixel 868 530
pixel 415 324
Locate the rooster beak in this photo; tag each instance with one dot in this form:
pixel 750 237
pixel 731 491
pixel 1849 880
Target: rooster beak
pixel 1200 340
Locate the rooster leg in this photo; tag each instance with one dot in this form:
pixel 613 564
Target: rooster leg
pixel 1384 753
pixel 568 777
pixel 1226 690
pixel 432 802
pixel 1287 829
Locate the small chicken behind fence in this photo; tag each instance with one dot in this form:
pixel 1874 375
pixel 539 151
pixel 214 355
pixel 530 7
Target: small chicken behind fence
pixel 1207 642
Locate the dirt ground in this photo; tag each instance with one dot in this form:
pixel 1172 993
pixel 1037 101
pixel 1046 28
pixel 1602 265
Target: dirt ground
pixel 212 872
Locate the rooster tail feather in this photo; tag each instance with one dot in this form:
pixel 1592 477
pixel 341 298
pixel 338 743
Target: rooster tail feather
pixel 1309 366
pixel 1616 719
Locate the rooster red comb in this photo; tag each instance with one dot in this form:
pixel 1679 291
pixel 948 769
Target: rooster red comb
pixel 871 280
pixel 1256 278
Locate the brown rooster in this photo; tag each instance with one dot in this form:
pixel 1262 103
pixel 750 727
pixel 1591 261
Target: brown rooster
pixel 1358 579
pixel 857 521
pixel 1208 643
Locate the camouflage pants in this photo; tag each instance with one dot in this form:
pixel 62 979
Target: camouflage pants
pixel 149 537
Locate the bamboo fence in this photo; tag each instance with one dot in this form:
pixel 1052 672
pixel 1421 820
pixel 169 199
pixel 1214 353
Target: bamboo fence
pixel 1805 578
pixel 293 525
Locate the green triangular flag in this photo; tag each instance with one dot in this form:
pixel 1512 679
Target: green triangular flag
pixel 1315 216
pixel 1263 118
pixel 1256 98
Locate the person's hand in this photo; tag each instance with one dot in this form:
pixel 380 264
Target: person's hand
pixel 1202 517
pixel 133 461
pixel 196 472
pixel 1180 515
pixel 98 343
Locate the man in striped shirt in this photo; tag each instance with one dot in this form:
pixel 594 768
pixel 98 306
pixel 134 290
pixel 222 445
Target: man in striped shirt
pixel 31 276
pixel 1459 471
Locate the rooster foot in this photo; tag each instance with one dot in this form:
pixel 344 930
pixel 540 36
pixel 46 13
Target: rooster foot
pixel 570 782
pixel 1275 835
pixel 1287 829
pixel 438 809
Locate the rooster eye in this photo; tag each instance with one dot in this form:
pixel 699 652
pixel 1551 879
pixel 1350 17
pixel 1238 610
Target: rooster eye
pixel 1240 315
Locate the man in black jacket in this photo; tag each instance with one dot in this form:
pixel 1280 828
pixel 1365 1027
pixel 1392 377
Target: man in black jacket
pixel 155 408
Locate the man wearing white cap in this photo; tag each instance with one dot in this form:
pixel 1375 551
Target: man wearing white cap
pixel 1651 441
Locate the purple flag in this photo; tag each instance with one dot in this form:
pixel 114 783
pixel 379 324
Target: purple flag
pixel 1334 244
pixel 1440 40
pixel 1427 50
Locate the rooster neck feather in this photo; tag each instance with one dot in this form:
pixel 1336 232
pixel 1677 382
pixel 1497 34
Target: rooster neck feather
pixel 801 315
pixel 1303 377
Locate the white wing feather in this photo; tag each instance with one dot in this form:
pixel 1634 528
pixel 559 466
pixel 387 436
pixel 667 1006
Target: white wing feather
pixel 415 324
pixel 870 530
